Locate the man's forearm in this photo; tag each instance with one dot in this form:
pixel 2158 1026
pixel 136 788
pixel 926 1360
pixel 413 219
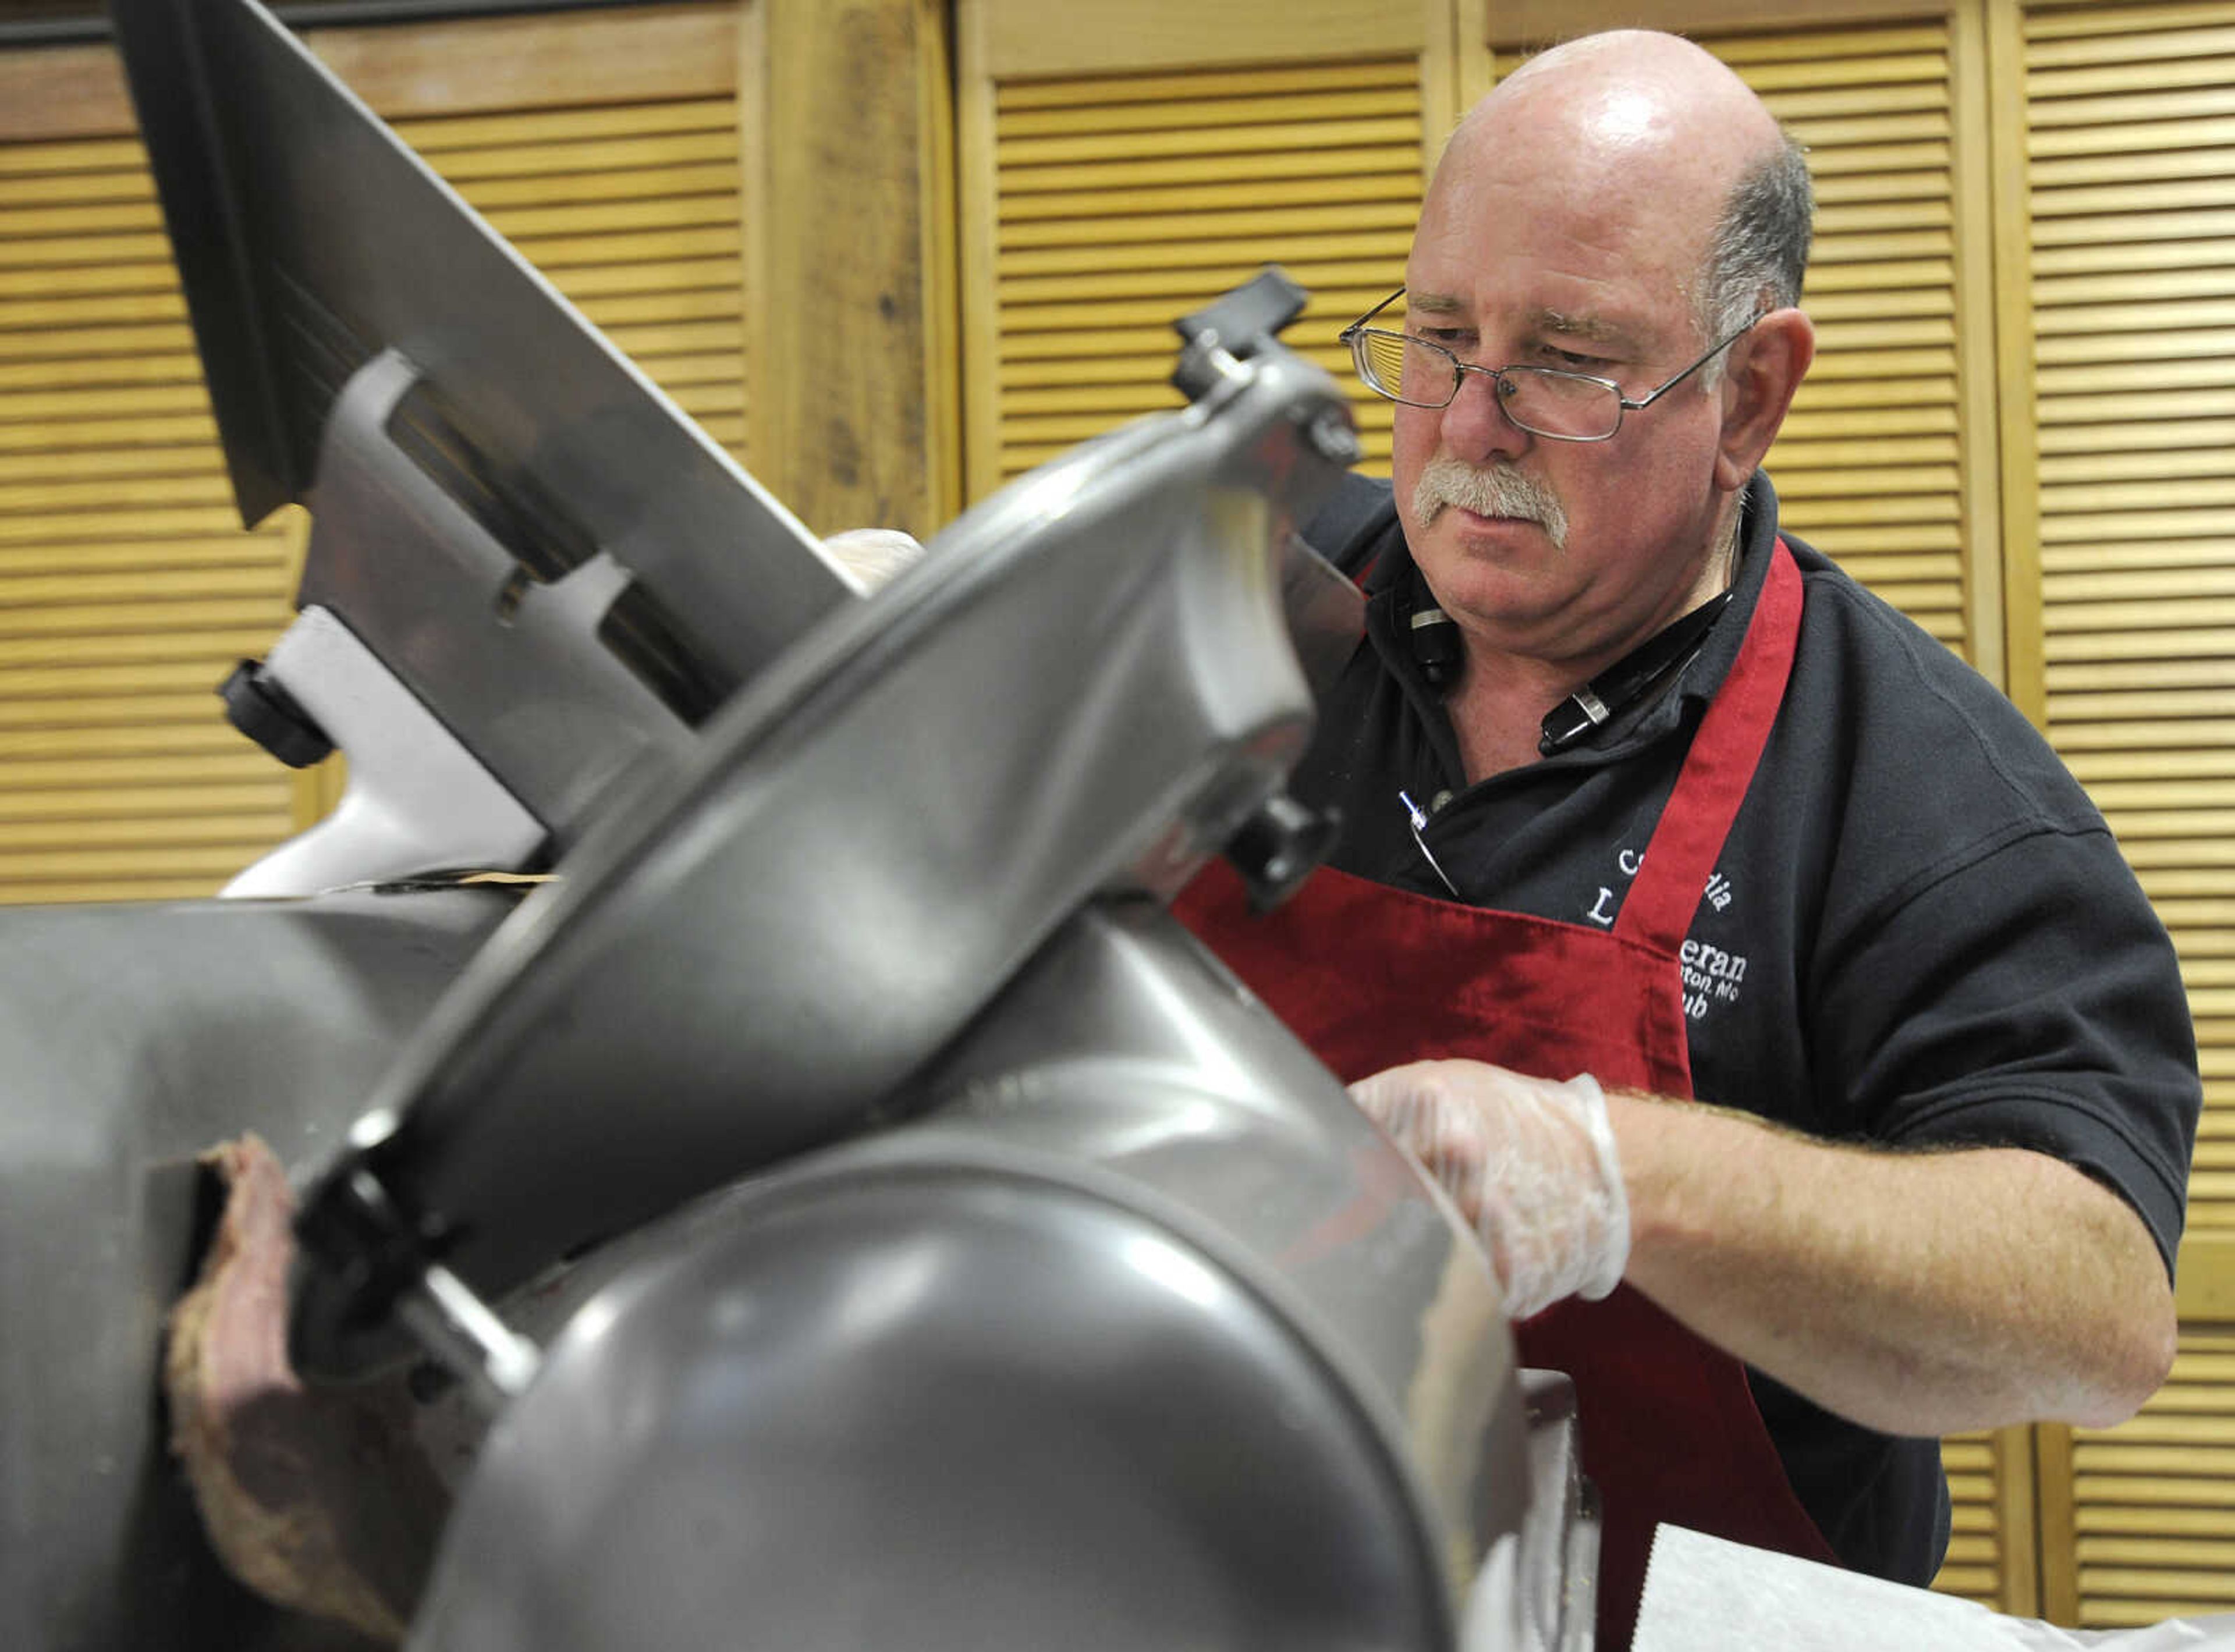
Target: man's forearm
pixel 1914 1293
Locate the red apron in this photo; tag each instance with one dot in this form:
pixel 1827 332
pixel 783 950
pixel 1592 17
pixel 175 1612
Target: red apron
pixel 1370 976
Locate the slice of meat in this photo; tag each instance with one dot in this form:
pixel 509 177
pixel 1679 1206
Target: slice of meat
pixel 319 1499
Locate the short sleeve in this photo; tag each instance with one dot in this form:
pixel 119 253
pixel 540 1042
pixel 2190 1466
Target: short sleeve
pixel 2027 996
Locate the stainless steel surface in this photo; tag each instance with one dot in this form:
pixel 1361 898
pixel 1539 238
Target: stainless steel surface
pixel 1127 1059
pixel 495 1362
pixel 1085 684
pixel 513 664
pixel 1558 1561
pixel 935 1411
pixel 1326 612
pixel 1129 1054
pixel 135 1037
pixel 1138 1334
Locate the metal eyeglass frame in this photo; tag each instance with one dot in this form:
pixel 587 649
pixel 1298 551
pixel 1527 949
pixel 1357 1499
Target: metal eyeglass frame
pixel 1355 335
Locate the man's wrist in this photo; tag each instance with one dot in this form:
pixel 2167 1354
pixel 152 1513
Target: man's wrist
pixel 1674 1153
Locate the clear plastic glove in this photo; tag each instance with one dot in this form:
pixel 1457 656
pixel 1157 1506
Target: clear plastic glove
pixel 1530 1164
pixel 873 555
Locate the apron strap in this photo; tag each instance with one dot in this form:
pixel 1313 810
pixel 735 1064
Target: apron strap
pixel 1672 876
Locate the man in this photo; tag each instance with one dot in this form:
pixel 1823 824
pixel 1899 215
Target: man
pixel 1643 803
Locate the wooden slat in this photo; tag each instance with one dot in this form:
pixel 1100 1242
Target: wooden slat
pixel 1370 102
pixel 2084 170
pixel 1208 180
pixel 1516 23
pixel 2206 1277
pixel 640 55
pixel 2082 18
pixel 575 187
pixel 1114 85
pixel 51 94
pixel 1015 41
pixel 686 138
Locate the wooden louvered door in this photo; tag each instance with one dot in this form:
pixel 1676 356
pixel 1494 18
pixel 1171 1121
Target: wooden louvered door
pixel 126 587
pixel 605 144
pixel 2120 420
pixel 1127 167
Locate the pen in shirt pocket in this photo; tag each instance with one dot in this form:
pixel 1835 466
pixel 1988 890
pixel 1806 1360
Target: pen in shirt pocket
pixel 1419 817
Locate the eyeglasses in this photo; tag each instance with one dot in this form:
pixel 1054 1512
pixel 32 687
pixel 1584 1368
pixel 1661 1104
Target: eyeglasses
pixel 1544 401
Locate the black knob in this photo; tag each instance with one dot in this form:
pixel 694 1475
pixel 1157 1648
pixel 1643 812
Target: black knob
pixel 1237 326
pixel 268 714
pixel 1277 847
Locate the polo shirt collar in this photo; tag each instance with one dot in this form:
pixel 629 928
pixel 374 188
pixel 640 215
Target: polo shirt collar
pixel 1390 576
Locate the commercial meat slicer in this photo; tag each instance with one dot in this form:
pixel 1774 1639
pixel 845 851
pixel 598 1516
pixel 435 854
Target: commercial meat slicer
pixel 840 1207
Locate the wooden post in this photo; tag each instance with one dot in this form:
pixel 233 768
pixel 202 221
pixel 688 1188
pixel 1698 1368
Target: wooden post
pixel 854 419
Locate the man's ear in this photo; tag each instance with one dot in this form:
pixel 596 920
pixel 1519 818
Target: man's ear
pixel 1764 369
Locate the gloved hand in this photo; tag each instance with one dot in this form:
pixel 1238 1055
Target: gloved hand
pixel 1529 1163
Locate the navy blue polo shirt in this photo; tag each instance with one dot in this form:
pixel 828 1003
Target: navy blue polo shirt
pixel 1920 932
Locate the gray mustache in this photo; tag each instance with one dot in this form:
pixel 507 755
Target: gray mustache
pixel 1495 489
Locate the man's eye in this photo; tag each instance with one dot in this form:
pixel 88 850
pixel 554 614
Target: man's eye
pixel 1569 361
pixel 1449 338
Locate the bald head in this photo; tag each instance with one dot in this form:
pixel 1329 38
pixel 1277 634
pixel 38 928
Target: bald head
pixel 1632 114
pixel 1625 79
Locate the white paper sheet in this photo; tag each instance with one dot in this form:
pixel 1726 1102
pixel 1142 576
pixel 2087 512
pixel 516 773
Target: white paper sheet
pixel 1703 1594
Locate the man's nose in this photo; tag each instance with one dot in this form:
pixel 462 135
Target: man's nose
pixel 1476 427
